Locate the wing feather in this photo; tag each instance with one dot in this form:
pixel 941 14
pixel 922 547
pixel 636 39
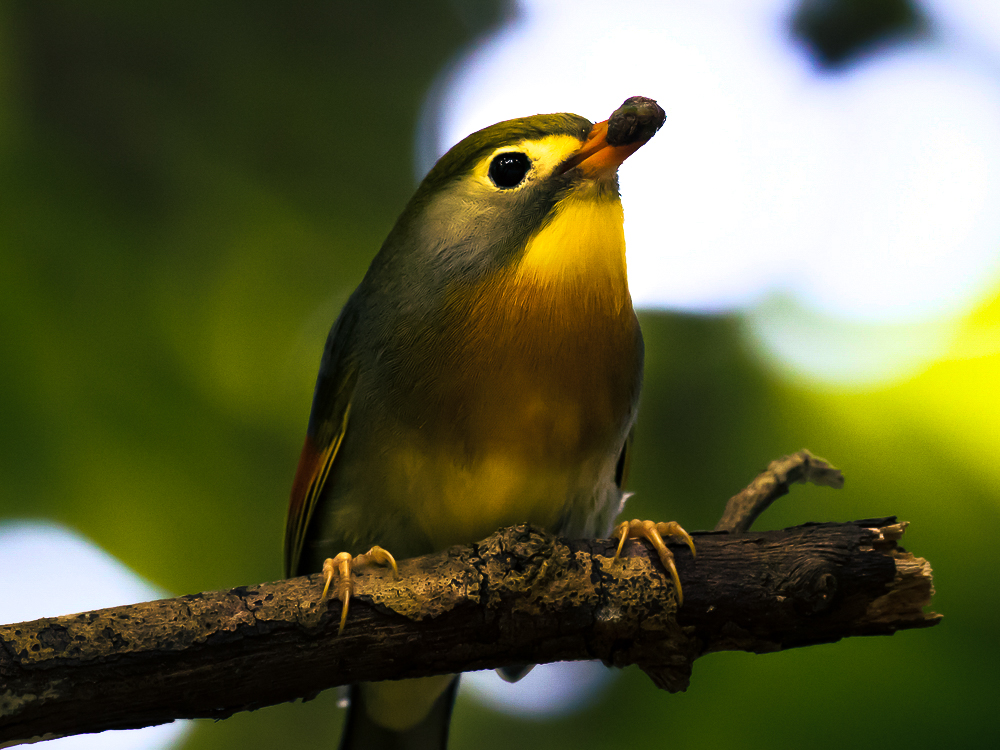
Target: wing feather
pixel 327 426
pixel 310 478
pixel 624 460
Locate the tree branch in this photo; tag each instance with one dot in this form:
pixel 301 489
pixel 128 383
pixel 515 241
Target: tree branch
pixel 744 508
pixel 520 596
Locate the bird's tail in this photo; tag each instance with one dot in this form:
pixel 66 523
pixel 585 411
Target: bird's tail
pixel 430 733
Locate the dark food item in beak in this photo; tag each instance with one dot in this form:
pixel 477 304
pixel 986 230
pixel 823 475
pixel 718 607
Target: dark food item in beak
pixel 637 119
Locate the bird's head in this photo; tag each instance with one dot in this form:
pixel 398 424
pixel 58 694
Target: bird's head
pixel 486 203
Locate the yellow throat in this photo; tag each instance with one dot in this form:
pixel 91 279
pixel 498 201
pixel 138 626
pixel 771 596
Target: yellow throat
pixel 583 248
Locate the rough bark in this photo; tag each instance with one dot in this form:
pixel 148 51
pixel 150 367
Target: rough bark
pixel 520 596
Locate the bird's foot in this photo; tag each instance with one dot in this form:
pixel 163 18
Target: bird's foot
pixel 654 532
pixel 340 567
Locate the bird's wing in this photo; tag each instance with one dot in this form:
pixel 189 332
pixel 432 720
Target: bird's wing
pixel 327 425
pixel 624 459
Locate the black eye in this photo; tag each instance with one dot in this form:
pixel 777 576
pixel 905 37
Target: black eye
pixel 508 169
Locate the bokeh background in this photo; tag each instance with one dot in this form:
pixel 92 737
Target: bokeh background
pixel 189 192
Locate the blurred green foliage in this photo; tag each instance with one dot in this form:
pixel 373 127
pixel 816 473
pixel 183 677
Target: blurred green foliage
pixel 191 190
pixel 838 32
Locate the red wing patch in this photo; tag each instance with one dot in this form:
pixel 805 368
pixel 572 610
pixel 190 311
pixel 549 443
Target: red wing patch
pixel 310 477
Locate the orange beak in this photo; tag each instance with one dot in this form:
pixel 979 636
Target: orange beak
pixel 597 157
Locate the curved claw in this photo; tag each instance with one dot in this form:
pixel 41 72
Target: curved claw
pixel 380 556
pixel 654 533
pixel 341 567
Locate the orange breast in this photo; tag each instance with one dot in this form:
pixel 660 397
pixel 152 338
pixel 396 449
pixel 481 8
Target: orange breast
pixel 545 371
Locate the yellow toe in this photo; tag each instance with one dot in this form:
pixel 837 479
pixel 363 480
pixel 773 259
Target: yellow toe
pixel 653 533
pixel 341 567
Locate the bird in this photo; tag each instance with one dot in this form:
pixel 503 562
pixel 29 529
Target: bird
pixel 486 372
